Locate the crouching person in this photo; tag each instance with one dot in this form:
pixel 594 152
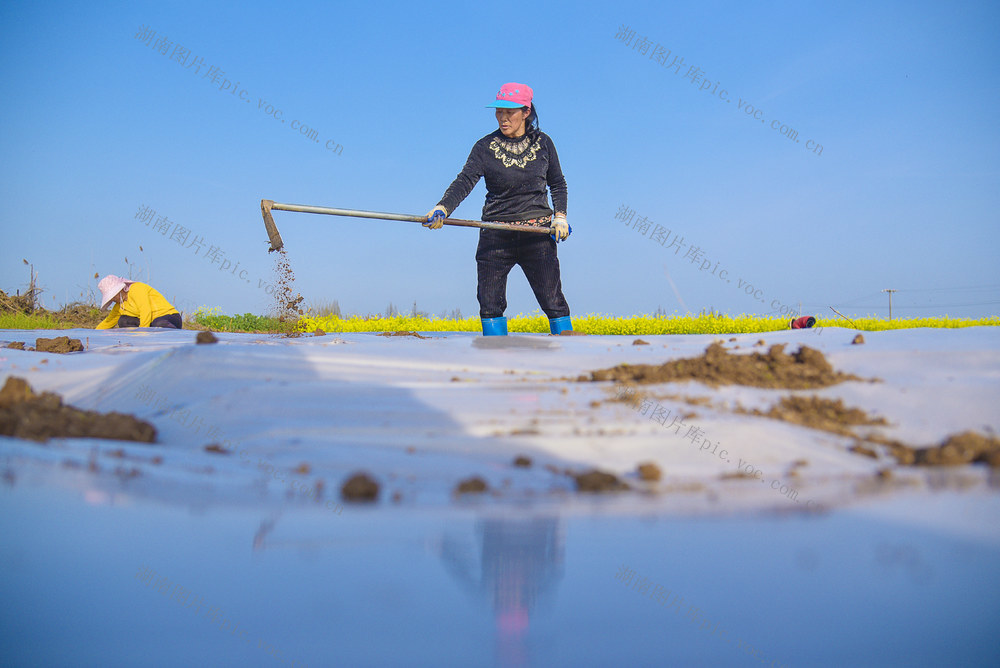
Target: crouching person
pixel 135 305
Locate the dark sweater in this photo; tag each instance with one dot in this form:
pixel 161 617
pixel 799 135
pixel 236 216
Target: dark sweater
pixel 517 172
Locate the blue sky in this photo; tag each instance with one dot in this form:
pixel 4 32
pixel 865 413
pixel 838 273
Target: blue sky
pixel 902 97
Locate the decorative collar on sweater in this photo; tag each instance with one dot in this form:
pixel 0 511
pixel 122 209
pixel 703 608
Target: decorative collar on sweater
pixel 515 151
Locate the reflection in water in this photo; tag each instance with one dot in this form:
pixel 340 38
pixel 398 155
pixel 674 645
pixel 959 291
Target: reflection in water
pixel 513 564
pixel 265 528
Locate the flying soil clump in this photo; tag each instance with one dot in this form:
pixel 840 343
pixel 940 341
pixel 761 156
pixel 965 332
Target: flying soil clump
pixel 287 302
pixel 804 369
pixel 24 414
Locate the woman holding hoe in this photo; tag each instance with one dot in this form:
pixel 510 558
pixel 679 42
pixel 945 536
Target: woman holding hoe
pixel 135 305
pixel 519 162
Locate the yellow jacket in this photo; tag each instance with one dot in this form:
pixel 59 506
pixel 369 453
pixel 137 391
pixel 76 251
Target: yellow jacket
pixel 141 301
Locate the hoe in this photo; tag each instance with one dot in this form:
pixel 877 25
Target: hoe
pixel 267 205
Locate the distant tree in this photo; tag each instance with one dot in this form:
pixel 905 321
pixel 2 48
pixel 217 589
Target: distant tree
pixel 325 308
pixel 416 313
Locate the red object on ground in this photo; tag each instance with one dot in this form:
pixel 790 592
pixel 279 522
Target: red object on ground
pixel 805 322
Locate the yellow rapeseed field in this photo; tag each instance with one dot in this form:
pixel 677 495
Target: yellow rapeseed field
pixel 629 325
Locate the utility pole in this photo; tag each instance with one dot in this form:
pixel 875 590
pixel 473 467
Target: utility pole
pixel 890 291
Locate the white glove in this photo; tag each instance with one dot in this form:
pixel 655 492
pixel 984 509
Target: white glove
pixel 560 228
pixel 435 217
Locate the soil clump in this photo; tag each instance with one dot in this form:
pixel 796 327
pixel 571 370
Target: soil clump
pixel 598 481
pixel 649 471
pixel 473 485
pixel 25 414
pixel 860 449
pixel 206 337
pixel 804 369
pixel 60 344
pixel 403 333
pixel 360 487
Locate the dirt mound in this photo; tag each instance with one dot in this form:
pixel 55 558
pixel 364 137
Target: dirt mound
pixel 60 344
pixel 24 414
pixel 967 447
pixel 82 315
pixel 77 314
pixel 833 416
pixel 806 368
pixel 403 333
pixel 819 413
pixel 17 303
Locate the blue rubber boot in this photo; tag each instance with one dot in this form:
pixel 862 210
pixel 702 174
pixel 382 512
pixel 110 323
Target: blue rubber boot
pixel 495 326
pixel 558 325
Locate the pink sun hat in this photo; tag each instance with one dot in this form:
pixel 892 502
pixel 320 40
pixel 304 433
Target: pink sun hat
pixel 513 96
pixel 110 286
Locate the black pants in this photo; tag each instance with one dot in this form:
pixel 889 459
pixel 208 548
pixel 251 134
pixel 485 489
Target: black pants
pixel 171 321
pixel 497 254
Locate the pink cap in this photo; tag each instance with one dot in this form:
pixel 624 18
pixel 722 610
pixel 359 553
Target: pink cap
pixel 512 96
